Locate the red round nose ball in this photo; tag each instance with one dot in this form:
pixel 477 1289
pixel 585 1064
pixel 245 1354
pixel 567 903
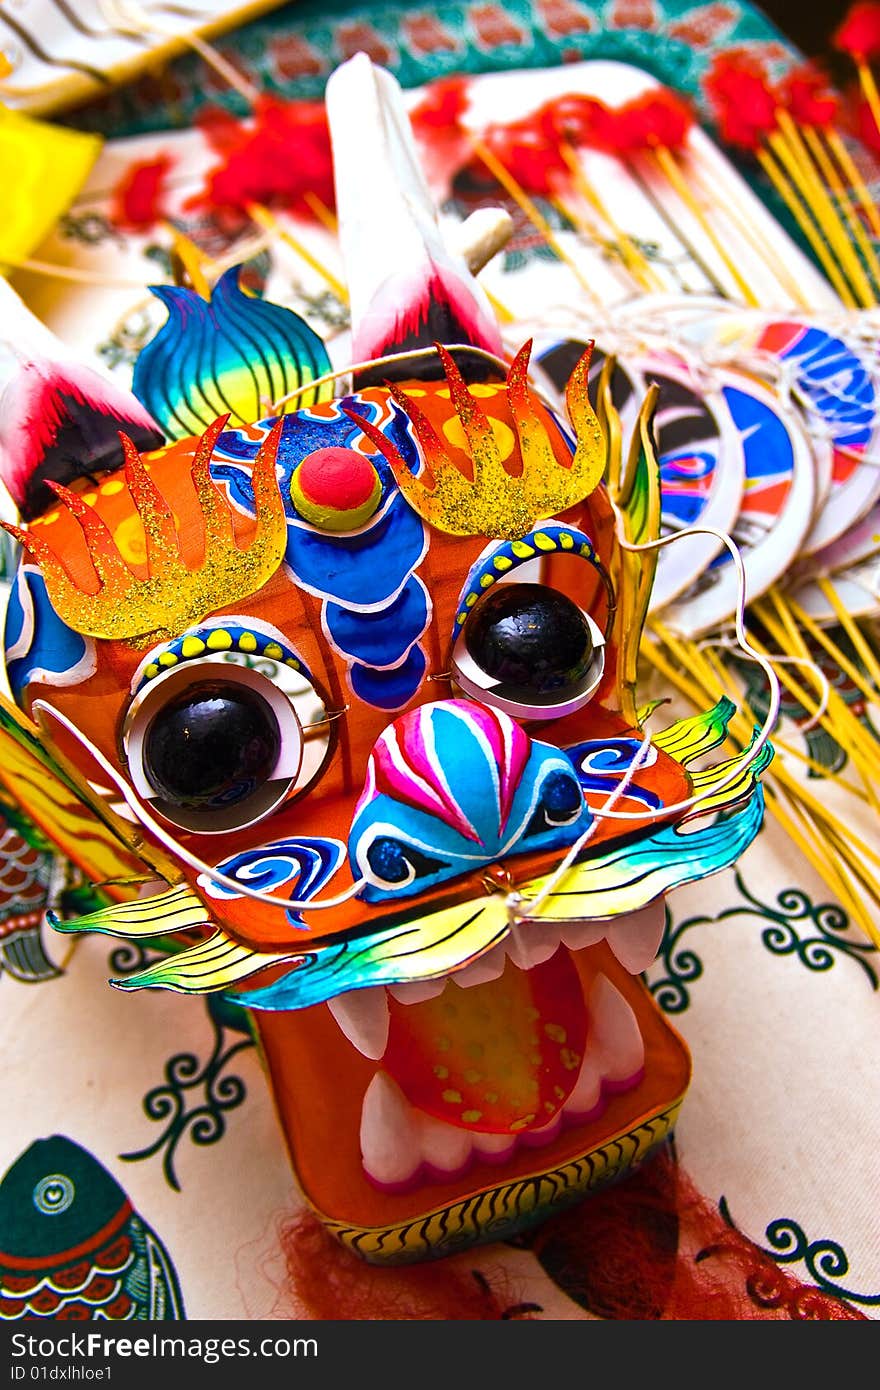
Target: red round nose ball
pixel 336 489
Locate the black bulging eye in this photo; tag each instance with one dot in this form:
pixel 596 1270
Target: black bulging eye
pixel 530 637
pixel 211 746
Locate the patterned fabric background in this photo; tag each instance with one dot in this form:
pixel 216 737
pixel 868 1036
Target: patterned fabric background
pixel 293 49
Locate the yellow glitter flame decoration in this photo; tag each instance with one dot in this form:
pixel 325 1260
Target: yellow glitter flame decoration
pixel 173 597
pixel 495 503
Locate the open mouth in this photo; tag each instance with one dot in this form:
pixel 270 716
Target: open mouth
pixel 466 1108
pixel 501 1055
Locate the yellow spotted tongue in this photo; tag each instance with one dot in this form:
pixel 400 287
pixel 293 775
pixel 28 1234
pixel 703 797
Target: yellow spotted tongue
pixel 499 1057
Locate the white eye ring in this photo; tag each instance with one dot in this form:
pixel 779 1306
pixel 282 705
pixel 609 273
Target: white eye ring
pixel 473 680
pixel 266 798
pixel 46 1202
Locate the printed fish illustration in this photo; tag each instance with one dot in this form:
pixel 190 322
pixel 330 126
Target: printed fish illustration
pixel 73 1248
pixel 25 873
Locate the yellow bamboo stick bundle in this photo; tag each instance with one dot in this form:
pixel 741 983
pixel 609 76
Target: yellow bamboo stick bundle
pixel 812 831
pixel 752 237
pixel 851 173
pixel 269 221
pixel 820 636
pixel 837 719
pixel 633 259
pixel 863 747
pixel 748 114
pixel 822 863
pixel 788 195
pixel 791 153
pixel 858 36
pixel 852 630
pixel 857 862
pixel 841 871
pixel 532 212
pixel 838 188
pixel 818 768
pixel 857 851
pixel 715 681
pixel 593 234
pixel 668 165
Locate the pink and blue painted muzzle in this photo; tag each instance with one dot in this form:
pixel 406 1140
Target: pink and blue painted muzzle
pixel 454 786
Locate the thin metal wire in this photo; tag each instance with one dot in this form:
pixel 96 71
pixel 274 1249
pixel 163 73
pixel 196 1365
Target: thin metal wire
pixel 41 708
pixel 520 912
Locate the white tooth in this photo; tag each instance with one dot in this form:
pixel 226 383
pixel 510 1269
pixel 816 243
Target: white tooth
pixel 635 937
pixel 616 1033
pixel 488 967
pixel 498 1146
pixel 615 1048
pixel 389 1133
pixel 588 1087
pixel 531 943
pixel 577 935
pixel 536 1137
pixel 447 1148
pixel 417 991
pixel 362 1015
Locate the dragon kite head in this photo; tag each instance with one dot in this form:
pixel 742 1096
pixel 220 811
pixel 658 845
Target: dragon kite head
pixel 368 668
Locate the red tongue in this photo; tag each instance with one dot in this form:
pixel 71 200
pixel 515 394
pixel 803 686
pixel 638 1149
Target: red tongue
pixel 501 1057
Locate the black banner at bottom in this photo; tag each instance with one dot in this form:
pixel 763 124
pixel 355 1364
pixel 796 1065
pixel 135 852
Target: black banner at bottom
pixel 268 1354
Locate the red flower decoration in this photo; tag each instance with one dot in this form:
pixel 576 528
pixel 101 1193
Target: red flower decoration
pixel 529 151
pixel 806 97
pixel 442 107
pixel 866 127
pixel 655 118
pixel 742 102
pixel 139 196
pixel 580 120
pixel 274 159
pixel 859 34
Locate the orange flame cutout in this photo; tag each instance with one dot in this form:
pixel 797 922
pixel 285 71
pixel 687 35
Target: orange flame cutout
pixel 494 502
pixel 173 597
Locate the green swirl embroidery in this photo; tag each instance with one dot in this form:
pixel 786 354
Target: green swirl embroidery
pixel 792 909
pixel 825 1261
pixel 194 1097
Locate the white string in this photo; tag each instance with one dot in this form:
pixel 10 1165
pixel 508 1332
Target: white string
pixel 136 806
pixel 812 667
pixel 517 910
pixel 413 355
pixel 41 708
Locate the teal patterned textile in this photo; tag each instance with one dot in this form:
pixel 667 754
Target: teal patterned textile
pixel 292 50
